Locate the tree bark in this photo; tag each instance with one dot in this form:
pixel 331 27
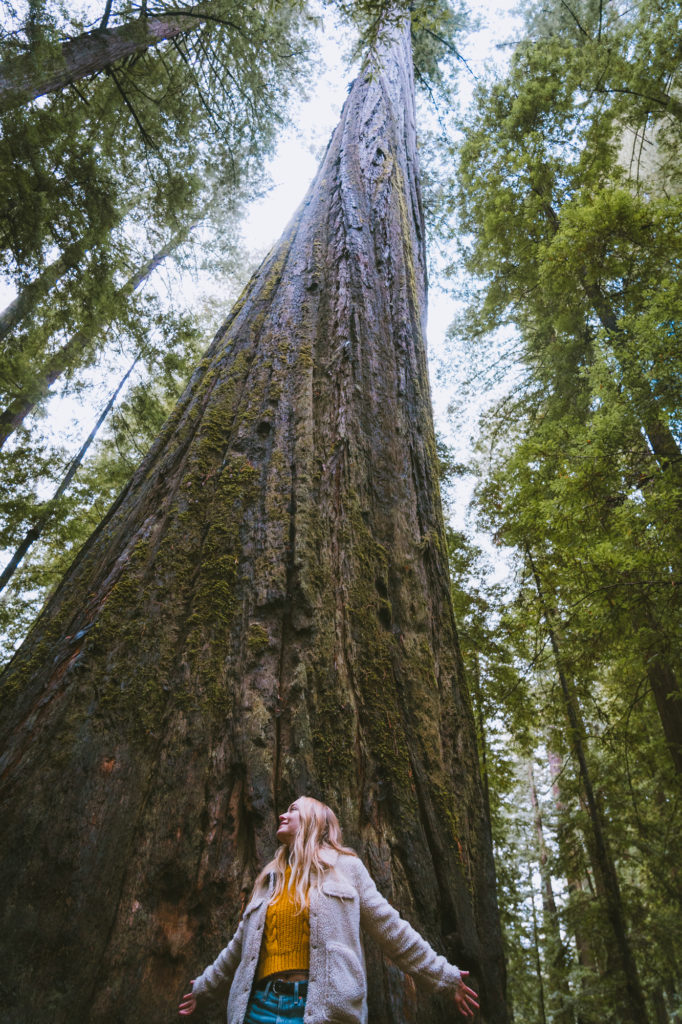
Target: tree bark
pixel 633 1008
pixel 24 78
pixel 575 880
pixel 557 956
pixel 264 612
pixel 28 298
pixel 12 417
pixel 542 1015
pixel 480 730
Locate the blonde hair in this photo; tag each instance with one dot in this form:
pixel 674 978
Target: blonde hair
pixel 319 831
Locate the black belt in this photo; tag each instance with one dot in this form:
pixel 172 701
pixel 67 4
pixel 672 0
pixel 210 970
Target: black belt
pixel 284 988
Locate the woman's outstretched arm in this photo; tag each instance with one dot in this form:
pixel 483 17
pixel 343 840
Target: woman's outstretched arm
pixel 217 978
pixel 406 947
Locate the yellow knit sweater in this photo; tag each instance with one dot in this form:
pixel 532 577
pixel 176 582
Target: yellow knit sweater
pixel 286 936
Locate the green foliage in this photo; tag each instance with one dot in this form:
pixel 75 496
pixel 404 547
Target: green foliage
pixel 437 28
pixel 33 465
pixel 135 154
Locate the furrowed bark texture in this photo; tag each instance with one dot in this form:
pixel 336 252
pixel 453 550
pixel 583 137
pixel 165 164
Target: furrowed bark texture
pixel 265 612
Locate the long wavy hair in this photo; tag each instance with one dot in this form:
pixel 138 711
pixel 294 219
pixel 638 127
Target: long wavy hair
pixel 319 831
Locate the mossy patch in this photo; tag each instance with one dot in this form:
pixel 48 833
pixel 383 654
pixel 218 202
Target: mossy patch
pixel 257 639
pixel 216 596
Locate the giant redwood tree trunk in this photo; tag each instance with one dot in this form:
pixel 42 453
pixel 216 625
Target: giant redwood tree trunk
pixel 265 612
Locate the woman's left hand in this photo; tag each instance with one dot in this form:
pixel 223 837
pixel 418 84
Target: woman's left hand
pixel 188 1004
pixel 466 999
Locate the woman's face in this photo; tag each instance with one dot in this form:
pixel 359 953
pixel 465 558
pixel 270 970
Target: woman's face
pixel 289 824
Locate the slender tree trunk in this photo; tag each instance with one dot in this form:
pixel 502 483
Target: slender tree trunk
pixel 264 612
pixel 633 1008
pixel 557 955
pixel 661 438
pixel 480 730
pixel 44 513
pixel 669 704
pixel 12 417
pixel 661 670
pixel 665 687
pixel 660 1010
pixel 28 298
pixel 574 881
pixel 576 884
pixel 542 1015
pixel 24 305
pixel 672 992
pixel 26 77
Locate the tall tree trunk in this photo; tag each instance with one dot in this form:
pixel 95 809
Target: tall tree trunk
pixel 480 729
pixel 264 612
pixel 542 1016
pixel 45 512
pixel 664 683
pixel 668 700
pixel 28 298
pixel 32 294
pixel 658 1001
pixel 661 438
pixel 81 342
pixel 633 1007
pixel 661 669
pixel 557 956
pixel 574 881
pixel 26 77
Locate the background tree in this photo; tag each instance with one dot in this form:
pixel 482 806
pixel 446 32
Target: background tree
pixel 558 235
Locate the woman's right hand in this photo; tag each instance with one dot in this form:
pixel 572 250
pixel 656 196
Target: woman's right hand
pixel 466 1000
pixel 188 1004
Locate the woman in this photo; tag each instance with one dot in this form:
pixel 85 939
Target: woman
pixel 297 952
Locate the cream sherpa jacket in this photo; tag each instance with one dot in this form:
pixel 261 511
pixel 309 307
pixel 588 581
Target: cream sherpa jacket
pixel 347 902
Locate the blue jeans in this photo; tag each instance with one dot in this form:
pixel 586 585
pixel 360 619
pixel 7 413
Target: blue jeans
pixel 266 1007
